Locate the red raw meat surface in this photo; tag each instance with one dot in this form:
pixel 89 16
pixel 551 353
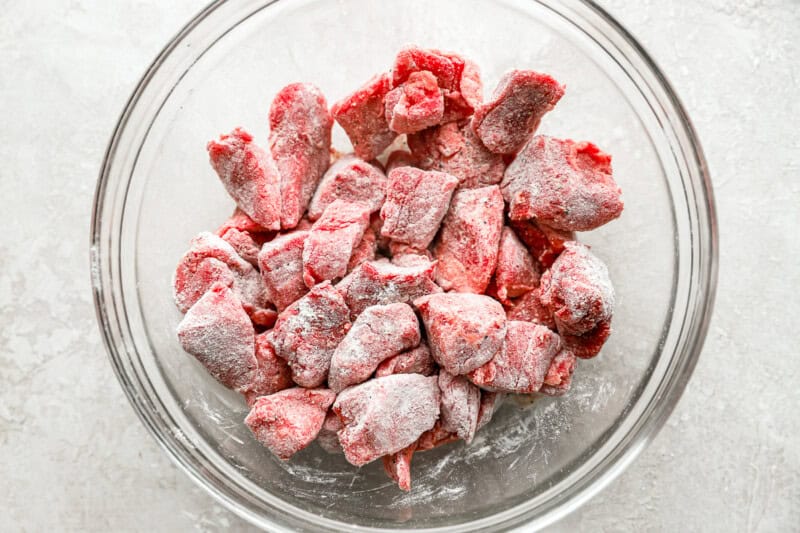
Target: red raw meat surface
pixel 239 220
pixel 529 308
pixel 464 330
pixel 458 78
pixel 506 122
pixel 300 142
pixel 559 376
pixel 490 403
pixel 308 331
pixel 264 318
pixel 244 235
pixel 460 404
pixel 415 361
pixel 350 179
pixel 516 272
pixel 365 251
pixel 249 175
pixel 243 243
pixel 288 421
pixel 462 101
pixel 384 415
pixel 466 247
pixel 398 466
pixel 454 148
pixel 416 203
pixel 332 239
pixel 563 184
pixel 272 374
pixel 219 334
pixel 194 275
pixel 435 437
pixel 590 343
pixel 544 243
pixel 578 291
pixel 415 104
pixel 380 332
pixel 522 363
pixel 328 437
pixel 380 283
pixel 413 59
pixel 407 256
pixel 281 264
pixel 363 118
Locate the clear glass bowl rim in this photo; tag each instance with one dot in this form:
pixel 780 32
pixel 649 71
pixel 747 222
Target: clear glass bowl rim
pixel 704 274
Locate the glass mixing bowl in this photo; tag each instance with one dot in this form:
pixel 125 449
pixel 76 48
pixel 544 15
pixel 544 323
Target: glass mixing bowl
pixel 532 464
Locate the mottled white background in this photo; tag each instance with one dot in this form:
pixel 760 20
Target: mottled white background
pixel 73 456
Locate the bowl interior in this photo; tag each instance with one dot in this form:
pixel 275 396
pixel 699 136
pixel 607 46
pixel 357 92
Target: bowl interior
pixel 224 74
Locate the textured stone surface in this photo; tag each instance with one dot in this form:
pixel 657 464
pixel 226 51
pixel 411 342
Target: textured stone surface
pixel 727 460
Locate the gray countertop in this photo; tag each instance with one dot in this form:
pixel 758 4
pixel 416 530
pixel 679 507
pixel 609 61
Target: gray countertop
pixel 73 456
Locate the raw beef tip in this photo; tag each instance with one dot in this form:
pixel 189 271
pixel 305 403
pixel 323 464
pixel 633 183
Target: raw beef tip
pixel 300 142
pixel 563 184
pixel 578 291
pixel 590 343
pixel 398 466
pixel 281 263
pixel 454 148
pixel 380 332
pixel 490 403
pixel 458 78
pixel 384 415
pixel 506 122
pixel 516 272
pixel 467 245
pixel 249 175
pixel 464 330
pixel 380 283
pixel 272 374
pixel 415 361
pixel 194 275
pixel 415 105
pixel 288 421
pixel 416 203
pixel 308 331
pixel 529 308
pixel 559 376
pixel 351 179
pixel 218 332
pixel 435 437
pixel 460 404
pixel 332 239
pixel 522 363
pixel 365 251
pixel 362 117
pixel 544 243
